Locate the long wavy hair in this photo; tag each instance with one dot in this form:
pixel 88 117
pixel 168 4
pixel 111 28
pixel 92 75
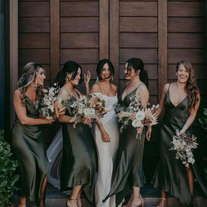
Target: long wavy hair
pixel 70 67
pixel 100 65
pixel 191 87
pixel 138 65
pixel 28 76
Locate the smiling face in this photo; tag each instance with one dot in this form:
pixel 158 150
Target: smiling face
pixel 105 72
pixel 182 74
pixel 77 78
pixel 129 72
pixel 40 77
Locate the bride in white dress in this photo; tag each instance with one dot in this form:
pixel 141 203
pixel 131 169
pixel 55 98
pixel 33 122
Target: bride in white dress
pixel 106 132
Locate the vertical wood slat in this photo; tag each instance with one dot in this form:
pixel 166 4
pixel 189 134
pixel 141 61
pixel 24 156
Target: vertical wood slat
pixel 13 52
pixel 103 29
pixel 54 37
pixel 162 44
pixel 205 12
pixel 114 36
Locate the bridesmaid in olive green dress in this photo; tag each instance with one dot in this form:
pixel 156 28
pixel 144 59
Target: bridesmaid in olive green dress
pixel 27 136
pixel 180 100
pixel 79 162
pixel 128 176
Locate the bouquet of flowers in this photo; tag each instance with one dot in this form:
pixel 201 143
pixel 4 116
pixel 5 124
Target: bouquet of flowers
pixel 137 116
pixel 47 109
pixel 184 145
pixel 90 106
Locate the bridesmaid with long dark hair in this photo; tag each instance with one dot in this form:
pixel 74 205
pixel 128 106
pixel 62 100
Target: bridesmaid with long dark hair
pixel 180 102
pixel 79 162
pixel 128 175
pixel 27 136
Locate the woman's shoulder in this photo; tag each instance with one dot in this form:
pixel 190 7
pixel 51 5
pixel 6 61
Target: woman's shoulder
pixel 18 94
pixel 114 87
pixel 167 86
pixel 63 90
pixel 63 94
pixel 142 87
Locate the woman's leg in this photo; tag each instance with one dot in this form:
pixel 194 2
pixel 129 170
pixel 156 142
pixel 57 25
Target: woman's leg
pixel 22 202
pixel 72 200
pixel 136 199
pixel 163 200
pixel 43 192
pixel 79 201
pixel 190 179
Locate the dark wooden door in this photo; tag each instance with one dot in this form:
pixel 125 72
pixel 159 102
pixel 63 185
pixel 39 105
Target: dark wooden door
pixel 160 32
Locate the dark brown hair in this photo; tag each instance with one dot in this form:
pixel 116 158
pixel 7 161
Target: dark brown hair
pixel 100 65
pixel 191 86
pixel 138 64
pixel 70 67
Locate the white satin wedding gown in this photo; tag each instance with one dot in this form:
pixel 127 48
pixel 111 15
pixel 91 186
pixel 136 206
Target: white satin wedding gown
pixel 106 152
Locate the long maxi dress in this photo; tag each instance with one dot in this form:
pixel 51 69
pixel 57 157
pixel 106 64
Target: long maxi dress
pixel 128 170
pixel 170 175
pixel 28 145
pixel 106 151
pixel 79 161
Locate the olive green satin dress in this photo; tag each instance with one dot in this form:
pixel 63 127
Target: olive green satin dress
pixel 128 169
pixel 79 161
pixel 27 142
pixel 170 175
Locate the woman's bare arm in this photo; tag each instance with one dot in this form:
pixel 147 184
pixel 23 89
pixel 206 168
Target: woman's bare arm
pixel 192 116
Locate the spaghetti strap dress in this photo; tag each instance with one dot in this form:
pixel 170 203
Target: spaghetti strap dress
pixel 170 175
pixel 28 145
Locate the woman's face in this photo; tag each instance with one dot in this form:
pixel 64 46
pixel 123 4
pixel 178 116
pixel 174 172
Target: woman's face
pixel 130 73
pixel 105 72
pixel 182 74
pixel 40 77
pixel 77 78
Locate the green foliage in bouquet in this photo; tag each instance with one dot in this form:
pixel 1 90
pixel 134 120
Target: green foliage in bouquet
pixel 203 119
pixel 8 178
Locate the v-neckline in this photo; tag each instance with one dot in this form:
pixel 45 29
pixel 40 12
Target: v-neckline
pixel 122 98
pixel 30 100
pixel 175 106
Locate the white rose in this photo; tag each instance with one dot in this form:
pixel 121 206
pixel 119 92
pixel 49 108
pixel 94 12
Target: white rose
pixel 191 160
pixel 137 123
pixel 89 112
pixel 140 115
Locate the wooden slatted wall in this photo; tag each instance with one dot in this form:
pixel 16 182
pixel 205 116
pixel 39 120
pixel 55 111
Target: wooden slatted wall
pixel 160 32
pixel 139 38
pixel 34 33
pixel 79 35
pixel 186 38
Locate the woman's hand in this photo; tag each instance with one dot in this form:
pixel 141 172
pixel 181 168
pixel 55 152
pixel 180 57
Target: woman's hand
pixel 139 130
pixel 87 121
pixel 87 78
pixel 105 136
pixel 149 133
pixel 49 120
pixel 133 116
pixel 178 133
pixel 59 110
